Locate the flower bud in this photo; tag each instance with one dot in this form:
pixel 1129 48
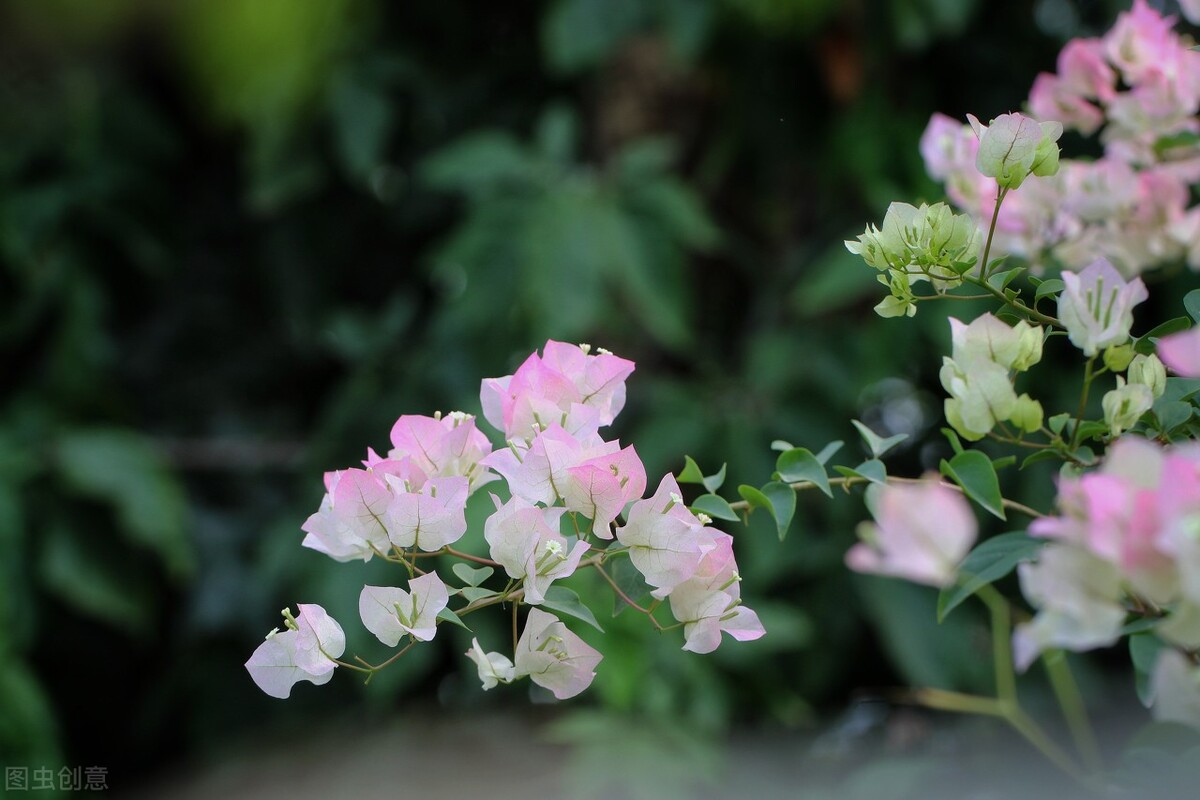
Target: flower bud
pixel 1124 406
pixel 1117 358
pixel 1027 414
pixel 1014 146
pixel 1149 371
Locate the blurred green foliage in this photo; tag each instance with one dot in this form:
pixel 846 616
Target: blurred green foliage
pixel 239 237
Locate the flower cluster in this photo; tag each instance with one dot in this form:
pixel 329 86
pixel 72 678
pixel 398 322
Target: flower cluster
pixel 1139 87
pixel 567 489
pixel 1125 540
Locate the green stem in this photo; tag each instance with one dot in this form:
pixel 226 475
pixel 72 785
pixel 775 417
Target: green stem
pixel 1083 398
pixel 987 247
pixel 1074 710
pixel 1032 313
pixel 1006 678
pixel 1020 721
pixel 847 482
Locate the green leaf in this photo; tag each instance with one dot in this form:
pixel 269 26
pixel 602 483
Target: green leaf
pixel 781 445
pixel 952 437
pixel 1058 422
pixel 123 468
pixel 715 506
pixel 827 451
pixel 1191 304
pixel 987 563
pixel 1051 286
pixel 471 576
pixel 871 469
pixel 878 445
pixel 715 481
pixel 1003 461
pixel 798 464
pixel 691 472
pixel 783 505
pixel 1002 279
pixel 1172 414
pixel 474 593
pixel 566 601
pixel 1041 455
pixel 630 581
pixel 1144 343
pixel 446 615
pixel 755 498
pixel 1143 651
pixel 973 471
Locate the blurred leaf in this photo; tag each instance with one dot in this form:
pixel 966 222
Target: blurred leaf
pixel 878 445
pixel 362 120
pixel 94 583
pixel 580 33
pixel 975 473
pixel 557 134
pixel 631 581
pixel 988 562
pixel 1143 651
pixel 28 732
pixel 691 472
pixel 1191 304
pixel 952 655
pixel 122 468
pixel 478 162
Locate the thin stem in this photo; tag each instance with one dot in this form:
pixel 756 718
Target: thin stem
pixel 1006 679
pixel 1032 313
pixel 958 702
pixel 849 481
pixel 450 551
pixel 1083 398
pixel 987 247
pixel 515 607
pixel 649 612
pixel 1074 710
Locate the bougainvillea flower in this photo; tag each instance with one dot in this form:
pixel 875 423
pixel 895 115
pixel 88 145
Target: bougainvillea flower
pixel 429 518
pixel 1097 306
pixel 493 667
pixel 525 540
pixel 303 652
pixel 709 602
pixel 1078 600
pixel 443 446
pixel 600 487
pixel 1181 352
pixel 922 532
pixel 351 522
pixel 666 541
pixel 392 613
pixel 553 657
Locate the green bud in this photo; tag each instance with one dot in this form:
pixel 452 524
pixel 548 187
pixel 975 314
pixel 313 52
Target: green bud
pixel 1149 371
pixel 1027 414
pixel 1117 358
pixel 1124 406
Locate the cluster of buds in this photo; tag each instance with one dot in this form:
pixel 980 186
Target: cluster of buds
pixel 567 489
pixel 930 243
